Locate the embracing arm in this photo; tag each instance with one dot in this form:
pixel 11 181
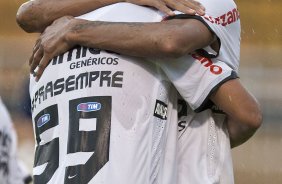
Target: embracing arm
pixel 242 109
pixel 36 15
pixel 168 39
pixel 172 38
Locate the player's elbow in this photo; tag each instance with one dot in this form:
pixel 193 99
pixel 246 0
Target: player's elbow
pixel 251 119
pixel 256 119
pixel 242 129
pixel 173 48
pixel 26 19
pixel 23 17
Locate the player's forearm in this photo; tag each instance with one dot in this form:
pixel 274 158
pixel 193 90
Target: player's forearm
pixel 134 39
pixel 36 15
pixel 151 40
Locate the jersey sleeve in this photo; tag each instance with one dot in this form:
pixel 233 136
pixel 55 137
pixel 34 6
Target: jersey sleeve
pixel 224 22
pixel 196 78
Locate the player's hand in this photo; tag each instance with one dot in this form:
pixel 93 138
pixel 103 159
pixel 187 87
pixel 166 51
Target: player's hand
pixel 52 42
pixel 186 6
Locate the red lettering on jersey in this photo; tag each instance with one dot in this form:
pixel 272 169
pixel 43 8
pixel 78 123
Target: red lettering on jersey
pixel 215 69
pixel 230 17
pixel 217 20
pixel 206 62
pixel 225 19
pixel 208 19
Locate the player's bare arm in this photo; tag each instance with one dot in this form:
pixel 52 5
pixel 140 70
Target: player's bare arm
pixel 172 38
pixel 242 109
pixel 36 15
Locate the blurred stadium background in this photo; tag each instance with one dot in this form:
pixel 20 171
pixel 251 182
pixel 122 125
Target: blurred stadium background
pixel 259 161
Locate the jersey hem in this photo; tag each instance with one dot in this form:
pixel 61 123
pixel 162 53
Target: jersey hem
pixel 207 103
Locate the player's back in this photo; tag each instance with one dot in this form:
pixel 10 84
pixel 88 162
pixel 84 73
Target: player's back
pixel 99 117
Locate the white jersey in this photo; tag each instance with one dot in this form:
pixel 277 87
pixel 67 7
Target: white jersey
pixel 100 117
pixel 12 171
pixel 204 152
pixel 224 20
pixel 197 77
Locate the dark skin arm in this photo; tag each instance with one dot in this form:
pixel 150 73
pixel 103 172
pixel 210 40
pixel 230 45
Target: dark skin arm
pixel 172 38
pixel 242 109
pixel 36 15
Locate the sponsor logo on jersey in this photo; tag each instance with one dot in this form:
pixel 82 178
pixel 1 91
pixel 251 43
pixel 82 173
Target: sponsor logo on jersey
pixel 206 62
pixel 80 52
pixel 225 19
pixel 94 61
pixel 89 107
pixel 43 120
pixel 160 110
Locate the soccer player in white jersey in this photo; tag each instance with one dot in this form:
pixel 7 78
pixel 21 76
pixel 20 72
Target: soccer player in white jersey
pixel 12 171
pixel 100 117
pixel 220 68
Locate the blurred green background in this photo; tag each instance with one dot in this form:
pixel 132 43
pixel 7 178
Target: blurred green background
pixel 259 161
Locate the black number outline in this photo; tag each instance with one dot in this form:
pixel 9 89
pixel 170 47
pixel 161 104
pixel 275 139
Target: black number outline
pixel 78 141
